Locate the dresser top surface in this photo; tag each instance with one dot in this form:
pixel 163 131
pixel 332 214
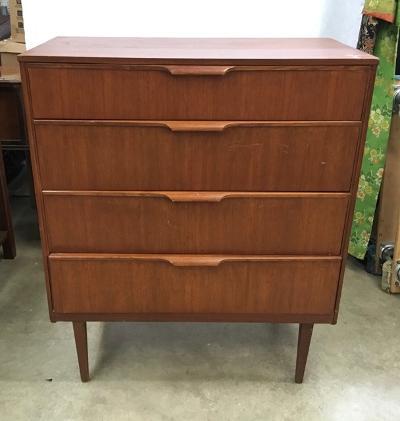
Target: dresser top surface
pixel 186 50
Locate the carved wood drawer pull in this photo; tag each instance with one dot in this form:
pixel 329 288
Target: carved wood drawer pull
pixel 179 196
pixel 198 70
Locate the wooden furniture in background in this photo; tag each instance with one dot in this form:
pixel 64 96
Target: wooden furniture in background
pixel 13 137
pixel 7 239
pixel 13 133
pixel 12 115
pixel 196 180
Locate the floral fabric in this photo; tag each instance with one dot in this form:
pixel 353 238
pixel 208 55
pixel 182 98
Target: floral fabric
pixel 368 31
pixel 378 125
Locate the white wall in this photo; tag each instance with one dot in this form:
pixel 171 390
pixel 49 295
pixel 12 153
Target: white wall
pixel 45 19
pixel 341 20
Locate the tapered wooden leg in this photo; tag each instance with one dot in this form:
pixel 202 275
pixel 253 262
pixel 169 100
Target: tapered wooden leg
pixel 303 345
pixel 82 349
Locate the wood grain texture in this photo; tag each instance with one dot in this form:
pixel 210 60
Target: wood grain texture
pixel 230 156
pixel 113 286
pixel 152 223
pixel 309 51
pixel 67 91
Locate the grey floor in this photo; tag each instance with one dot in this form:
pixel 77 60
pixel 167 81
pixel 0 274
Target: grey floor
pixel 193 372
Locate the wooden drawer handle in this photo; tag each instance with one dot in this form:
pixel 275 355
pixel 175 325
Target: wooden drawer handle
pixel 194 261
pixel 194 196
pixel 182 260
pixel 197 126
pixel 198 70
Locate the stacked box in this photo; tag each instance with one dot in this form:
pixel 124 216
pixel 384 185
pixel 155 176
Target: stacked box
pixel 9 50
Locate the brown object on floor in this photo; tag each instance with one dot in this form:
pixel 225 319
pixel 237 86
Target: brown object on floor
pixel 7 240
pixel 389 203
pixel 196 180
pixel 390 197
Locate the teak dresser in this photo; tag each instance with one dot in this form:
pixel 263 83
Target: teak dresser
pixel 196 179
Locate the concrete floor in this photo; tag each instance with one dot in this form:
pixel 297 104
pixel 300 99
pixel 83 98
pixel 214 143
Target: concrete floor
pixel 179 371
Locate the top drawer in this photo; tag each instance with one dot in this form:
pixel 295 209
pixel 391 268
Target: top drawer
pixel 197 92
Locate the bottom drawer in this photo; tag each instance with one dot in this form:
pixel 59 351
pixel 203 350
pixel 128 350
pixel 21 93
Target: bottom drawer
pixel 156 284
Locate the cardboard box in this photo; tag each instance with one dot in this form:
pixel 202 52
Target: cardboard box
pixel 17 21
pixel 9 50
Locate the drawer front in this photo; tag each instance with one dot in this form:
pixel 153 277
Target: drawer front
pixel 126 285
pixel 200 92
pixel 224 156
pixel 195 222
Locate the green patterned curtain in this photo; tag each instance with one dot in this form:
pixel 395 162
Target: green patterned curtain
pixel 378 35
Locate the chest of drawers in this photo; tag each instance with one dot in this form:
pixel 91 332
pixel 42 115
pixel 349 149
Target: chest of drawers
pixel 196 180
